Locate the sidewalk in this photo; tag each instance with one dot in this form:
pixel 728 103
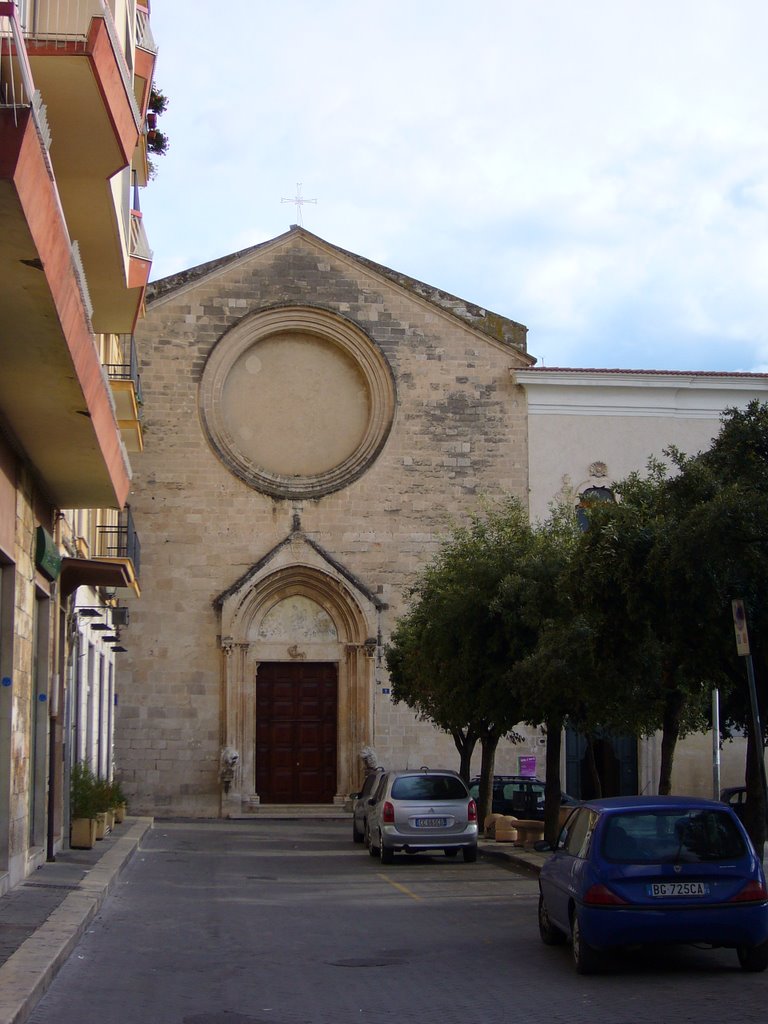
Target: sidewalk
pixel 43 918
pixel 516 856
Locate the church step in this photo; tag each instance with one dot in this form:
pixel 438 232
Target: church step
pixel 295 811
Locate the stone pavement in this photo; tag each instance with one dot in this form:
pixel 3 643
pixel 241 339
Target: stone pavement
pixel 43 918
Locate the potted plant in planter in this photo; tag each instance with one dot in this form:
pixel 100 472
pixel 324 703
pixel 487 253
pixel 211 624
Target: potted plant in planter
pixel 82 806
pixel 104 817
pixel 118 801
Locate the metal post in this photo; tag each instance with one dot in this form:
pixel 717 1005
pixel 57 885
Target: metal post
pixel 715 744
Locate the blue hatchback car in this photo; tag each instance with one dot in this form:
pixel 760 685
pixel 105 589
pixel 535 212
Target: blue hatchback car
pixel 647 870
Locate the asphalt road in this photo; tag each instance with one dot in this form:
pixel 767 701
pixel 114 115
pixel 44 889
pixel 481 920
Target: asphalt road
pixel 289 922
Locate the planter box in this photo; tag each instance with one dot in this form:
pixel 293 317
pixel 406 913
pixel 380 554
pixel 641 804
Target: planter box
pixel 120 812
pixel 82 833
pixel 101 825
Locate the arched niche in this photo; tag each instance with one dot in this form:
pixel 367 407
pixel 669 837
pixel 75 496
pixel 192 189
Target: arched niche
pixel 298 613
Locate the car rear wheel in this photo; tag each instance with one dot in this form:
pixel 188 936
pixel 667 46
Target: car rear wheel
pixel 470 854
pixel 357 835
pixel 386 856
pixel 753 958
pixel 586 958
pixel 369 842
pixel 550 935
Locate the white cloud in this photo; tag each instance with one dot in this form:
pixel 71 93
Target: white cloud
pixel 597 170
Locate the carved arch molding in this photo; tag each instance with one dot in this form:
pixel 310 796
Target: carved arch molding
pixel 295 613
pixel 297 401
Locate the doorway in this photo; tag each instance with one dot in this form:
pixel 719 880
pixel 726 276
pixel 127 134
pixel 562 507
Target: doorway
pixel 296 732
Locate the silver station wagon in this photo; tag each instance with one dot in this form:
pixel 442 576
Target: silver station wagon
pixel 421 811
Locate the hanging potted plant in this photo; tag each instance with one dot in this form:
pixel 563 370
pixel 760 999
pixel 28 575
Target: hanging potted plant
pixel 157 141
pixel 82 807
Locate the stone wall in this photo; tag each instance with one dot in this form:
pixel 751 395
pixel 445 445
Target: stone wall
pixel 458 436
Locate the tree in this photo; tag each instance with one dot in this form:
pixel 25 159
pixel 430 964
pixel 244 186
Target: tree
pixel 550 676
pixel 450 653
pixel 625 584
pixel 721 497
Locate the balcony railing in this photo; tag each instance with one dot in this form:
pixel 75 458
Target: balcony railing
pixel 139 241
pixel 120 541
pixel 56 24
pixel 128 367
pixel 17 89
pixel 144 37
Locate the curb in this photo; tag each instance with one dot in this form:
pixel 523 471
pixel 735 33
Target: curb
pixel 528 862
pixel 29 972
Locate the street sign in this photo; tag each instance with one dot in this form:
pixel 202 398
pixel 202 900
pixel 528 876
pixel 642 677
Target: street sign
pixel 740 627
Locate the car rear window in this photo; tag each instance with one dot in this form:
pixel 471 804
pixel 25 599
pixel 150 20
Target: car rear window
pixel 672 836
pixel 428 787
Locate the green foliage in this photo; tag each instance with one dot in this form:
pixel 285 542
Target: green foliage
pixel 158 101
pixel 116 794
pixel 624 627
pixel 83 801
pixel 721 496
pixel 90 795
pixel 103 795
pixel 449 654
pixel 157 141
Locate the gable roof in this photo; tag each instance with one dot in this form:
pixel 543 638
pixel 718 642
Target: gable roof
pixel 494 325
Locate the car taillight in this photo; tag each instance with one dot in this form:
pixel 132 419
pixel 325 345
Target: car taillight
pixel 471 811
pixel 388 813
pixel 753 892
pixel 601 896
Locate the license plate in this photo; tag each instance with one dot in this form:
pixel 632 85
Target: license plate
pixel 430 822
pixel 678 889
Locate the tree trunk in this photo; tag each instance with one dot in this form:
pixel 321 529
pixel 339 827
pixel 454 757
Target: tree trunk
pixel 489 741
pixel 673 708
pixel 465 744
pixel 552 782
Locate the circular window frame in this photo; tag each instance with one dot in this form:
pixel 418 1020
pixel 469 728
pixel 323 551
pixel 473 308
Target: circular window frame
pixel 329 327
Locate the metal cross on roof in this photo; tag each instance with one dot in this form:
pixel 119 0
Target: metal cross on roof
pixel 299 201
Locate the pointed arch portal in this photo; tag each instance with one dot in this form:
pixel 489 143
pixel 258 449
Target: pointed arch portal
pixel 297 682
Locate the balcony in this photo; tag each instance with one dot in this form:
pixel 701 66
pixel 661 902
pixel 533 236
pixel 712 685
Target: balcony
pixel 77 60
pixel 146 54
pixel 54 396
pixel 120 544
pixel 126 390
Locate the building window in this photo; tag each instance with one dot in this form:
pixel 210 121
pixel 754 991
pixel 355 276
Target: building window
pixel 591 496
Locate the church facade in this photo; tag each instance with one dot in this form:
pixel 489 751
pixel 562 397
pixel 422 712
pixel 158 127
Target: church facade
pixel 314 425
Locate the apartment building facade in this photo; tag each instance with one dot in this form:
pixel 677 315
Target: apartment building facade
pixel 75 84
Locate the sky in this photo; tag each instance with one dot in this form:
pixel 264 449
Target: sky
pixel 594 169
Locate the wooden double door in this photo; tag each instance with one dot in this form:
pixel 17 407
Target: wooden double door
pixel 296 732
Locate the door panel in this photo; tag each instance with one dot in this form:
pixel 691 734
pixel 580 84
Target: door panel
pixel 296 732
